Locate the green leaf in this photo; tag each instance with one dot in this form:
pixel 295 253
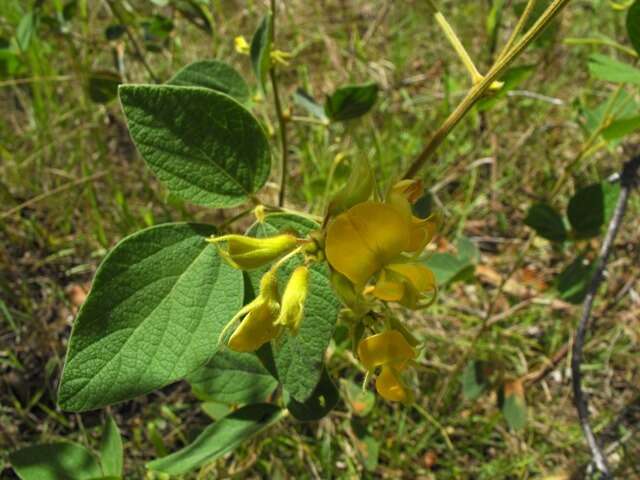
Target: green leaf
pixel 546 222
pixel 368 450
pixel 26 30
pixel 55 461
pixel 299 359
pixel 261 50
pixel 513 405
pixel 103 85
pixel 449 269
pixel 573 282
pixel 351 101
pixel 512 78
pixel 586 211
pixel 214 75
pixel 467 250
pixel 205 146
pixel 219 438
pixel 611 192
pixel 323 399
pixel 306 101
pixel 360 401
pixel 111 458
pixel 610 70
pixel 621 128
pixel 633 25
pixel 474 382
pixel 619 105
pixel 158 302
pixel 233 378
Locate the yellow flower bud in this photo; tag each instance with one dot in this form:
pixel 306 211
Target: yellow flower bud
pixel 295 294
pixel 241 45
pixel 258 326
pixel 247 253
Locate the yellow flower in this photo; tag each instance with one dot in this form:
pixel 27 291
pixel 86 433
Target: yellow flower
pixel 391 351
pixel 241 45
pixel 247 253
pixel 258 326
pixel 293 298
pixel 370 239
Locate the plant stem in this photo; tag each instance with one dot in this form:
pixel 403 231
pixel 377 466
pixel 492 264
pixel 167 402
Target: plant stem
pixel 282 120
pixel 477 90
pixel 518 28
pixel 628 179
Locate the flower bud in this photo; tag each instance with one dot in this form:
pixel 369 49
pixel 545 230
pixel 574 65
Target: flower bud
pixel 293 299
pixel 247 253
pixel 258 326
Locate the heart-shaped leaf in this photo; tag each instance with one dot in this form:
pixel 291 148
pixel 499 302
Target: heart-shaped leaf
pixel 158 302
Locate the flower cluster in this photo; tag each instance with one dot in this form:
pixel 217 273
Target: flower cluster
pixel 264 318
pixel 372 248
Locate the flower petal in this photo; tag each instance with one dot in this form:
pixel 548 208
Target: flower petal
pixel 422 232
pixel 256 329
pixel 384 348
pixel 390 387
pixel 387 289
pixel 363 239
pixel 293 299
pixel 417 275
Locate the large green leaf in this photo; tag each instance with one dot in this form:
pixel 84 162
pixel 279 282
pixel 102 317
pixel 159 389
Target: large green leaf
pixel 232 377
pixel 611 70
pixel 205 146
pixel 546 222
pixel 55 461
pixel 351 101
pixel 573 282
pixel 219 438
pixel 299 359
pixel 633 25
pixel 261 50
pixel 621 128
pixel 158 303
pixel 214 75
pixel 111 458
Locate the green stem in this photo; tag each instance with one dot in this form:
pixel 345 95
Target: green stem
pixel 476 76
pixel 476 92
pixel 518 28
pixel 601 41
pixel 282 120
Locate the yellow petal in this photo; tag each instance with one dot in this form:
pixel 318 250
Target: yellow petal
pixel 293 298
pixel 418 275
pixel 390 387
pixel 363 239
pixel 417 280
pixel 384 348
pixel 256 329
pixel 422 232
pixel 412 190
pixel 387 289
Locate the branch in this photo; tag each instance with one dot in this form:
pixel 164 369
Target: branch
pixel 628 179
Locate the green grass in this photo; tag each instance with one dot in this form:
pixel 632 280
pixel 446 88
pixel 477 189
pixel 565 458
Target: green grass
pixel 51 134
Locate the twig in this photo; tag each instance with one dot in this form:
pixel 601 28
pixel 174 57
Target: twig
pixel 627 179
pixel 477 91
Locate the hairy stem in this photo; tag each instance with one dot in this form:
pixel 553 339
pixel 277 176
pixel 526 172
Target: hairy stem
pixel 282 120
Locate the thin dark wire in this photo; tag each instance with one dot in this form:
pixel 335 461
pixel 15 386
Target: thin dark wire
pixel 628 180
